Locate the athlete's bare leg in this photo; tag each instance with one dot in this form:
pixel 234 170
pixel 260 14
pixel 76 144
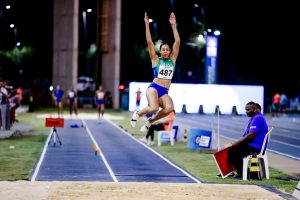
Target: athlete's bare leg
pixel 99 110
pixel 153 106
pixel 102 110
pixel 153 102
pixel 59 109
pixel 75 108
pixel 166 103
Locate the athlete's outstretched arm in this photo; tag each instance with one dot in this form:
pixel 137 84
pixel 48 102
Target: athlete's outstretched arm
pixel 150 44
pixel 176 45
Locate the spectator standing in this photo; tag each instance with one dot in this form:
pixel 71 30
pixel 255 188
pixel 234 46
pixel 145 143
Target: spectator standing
pixel 276 103
pixel 138 99
pixel 283 103
pixel 14 104
pixel 58 95
pixel 72 100
pixel 20 93
pixel 100 100
pixel 4 101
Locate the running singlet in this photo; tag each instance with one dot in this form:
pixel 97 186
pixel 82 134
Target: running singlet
pixel 99 95
pixel 164 69
pixel 71 95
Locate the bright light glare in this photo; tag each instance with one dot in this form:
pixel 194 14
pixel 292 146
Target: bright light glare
pixel 200 38
pixel 7 7
pixel 217 33
pixel 157 45
pixel 18 44
pixel 11 25
pixel 89 10
pixel 121 87
pixel 150 20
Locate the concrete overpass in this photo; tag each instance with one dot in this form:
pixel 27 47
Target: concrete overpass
pixel 65 45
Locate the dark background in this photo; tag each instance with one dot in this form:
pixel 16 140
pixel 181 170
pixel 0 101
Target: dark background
pixel 258 44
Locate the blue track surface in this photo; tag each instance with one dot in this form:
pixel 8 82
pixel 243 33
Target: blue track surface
pixel 128 159
pixel 74 160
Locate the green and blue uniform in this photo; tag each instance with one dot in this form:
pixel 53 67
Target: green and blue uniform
pixel 164 69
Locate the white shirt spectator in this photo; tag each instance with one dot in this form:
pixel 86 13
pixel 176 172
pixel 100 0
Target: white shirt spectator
pixel 3 92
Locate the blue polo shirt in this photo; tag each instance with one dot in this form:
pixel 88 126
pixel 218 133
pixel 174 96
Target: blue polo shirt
pixel 258 125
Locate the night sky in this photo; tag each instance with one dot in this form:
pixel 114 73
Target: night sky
pixel 258 44
pixel 255 47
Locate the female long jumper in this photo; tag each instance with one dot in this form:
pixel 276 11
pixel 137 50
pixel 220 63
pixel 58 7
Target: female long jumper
pixel 163 68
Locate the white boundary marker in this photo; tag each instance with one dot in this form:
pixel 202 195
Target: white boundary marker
pixel 36 171
pixel 296 192
pixel 101 153
pixel 180 169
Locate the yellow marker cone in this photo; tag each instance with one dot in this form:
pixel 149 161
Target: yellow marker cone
pixel 97 152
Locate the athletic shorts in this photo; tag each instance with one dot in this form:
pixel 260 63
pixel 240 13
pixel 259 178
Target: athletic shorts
pixel 161 91
pixel 99 102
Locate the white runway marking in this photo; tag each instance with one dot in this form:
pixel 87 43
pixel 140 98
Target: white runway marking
pixel 101 153
pixel 180 169
pixel 36 171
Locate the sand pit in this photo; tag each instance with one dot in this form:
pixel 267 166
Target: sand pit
pixel 129 191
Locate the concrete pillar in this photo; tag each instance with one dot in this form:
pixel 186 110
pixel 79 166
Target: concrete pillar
pixel 65 43
pixel 111 56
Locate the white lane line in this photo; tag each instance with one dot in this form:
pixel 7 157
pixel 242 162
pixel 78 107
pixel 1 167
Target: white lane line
pixel 283 154
pixel 162 157
pixel 287 144
pixel 37 168
pixel 101 153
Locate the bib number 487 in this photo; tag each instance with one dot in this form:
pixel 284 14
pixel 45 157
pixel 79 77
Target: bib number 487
pixel 165 72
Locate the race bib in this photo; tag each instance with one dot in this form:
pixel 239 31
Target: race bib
pixel 165 72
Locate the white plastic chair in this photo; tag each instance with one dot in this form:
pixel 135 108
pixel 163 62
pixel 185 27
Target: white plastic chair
pixel 165 136
pixel 262 154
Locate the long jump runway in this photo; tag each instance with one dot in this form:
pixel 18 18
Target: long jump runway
pixel 122 158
